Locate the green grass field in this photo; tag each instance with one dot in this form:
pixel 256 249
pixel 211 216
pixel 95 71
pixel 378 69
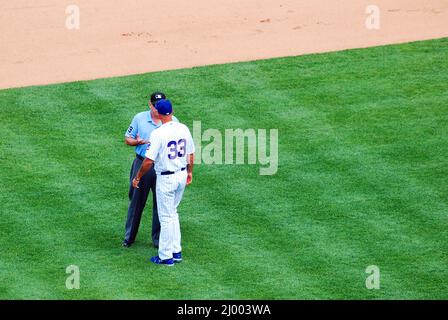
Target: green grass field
pixel 362 180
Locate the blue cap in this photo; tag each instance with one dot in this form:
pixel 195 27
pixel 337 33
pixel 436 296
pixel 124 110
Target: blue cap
pixel 164 107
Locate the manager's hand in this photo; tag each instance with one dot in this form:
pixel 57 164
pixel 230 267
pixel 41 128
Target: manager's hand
pixel 189 178
pixel 135 183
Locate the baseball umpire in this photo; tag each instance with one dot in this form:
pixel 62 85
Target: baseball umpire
pixel 137 136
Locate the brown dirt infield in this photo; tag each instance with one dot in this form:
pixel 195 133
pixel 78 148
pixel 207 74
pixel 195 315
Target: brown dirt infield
pixel 136 36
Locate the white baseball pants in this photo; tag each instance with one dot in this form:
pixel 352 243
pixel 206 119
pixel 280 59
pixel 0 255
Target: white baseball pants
pixel 169 191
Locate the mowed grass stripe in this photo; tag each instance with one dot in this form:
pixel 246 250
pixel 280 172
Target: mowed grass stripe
pixel 246 236
pixel 361 181
pixel 351 148
pixel 368 181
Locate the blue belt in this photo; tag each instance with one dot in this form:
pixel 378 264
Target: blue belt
pixel 165 173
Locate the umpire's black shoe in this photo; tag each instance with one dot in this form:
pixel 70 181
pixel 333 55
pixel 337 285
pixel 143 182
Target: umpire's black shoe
pixel 126 244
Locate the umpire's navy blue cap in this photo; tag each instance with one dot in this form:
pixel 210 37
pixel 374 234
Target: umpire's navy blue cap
pixel 156 96
pixel 164 107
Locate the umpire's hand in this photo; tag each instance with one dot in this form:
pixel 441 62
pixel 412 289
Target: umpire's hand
pixel 140 141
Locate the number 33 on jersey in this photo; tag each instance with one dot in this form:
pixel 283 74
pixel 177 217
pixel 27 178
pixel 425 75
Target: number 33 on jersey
pixel 169 147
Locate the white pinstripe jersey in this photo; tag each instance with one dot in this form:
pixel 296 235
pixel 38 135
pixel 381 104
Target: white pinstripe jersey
pixel 169 146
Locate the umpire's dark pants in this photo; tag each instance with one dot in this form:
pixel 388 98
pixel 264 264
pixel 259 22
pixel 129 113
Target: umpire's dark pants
pixel 138 200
